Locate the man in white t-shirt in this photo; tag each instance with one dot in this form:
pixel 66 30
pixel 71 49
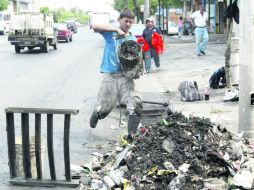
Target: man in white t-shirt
pixel 200 21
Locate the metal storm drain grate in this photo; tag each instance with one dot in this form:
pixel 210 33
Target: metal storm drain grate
pixel 26 147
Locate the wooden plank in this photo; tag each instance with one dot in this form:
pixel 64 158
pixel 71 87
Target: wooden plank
pixel 153 111
pixel 50 146
pixel 38 145
pixel 11 144
pixel 41 110
pixel 152 114
pixel 67 123
pixel 26 145
pixel 44 183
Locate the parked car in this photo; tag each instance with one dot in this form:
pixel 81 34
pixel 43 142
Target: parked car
pixel 72 25
pixel 63 32
pixel 137 30
pixel 172 28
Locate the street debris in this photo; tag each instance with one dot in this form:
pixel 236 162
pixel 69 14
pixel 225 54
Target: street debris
pixel 76 171
pixel 177 153
pixel 189 91
pixel 218 79
pixel 231 95
pixel 131 59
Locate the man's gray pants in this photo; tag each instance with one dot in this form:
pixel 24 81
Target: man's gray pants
pixel 117 88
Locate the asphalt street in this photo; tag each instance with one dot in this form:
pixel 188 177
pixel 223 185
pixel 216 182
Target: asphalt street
pixel 67 78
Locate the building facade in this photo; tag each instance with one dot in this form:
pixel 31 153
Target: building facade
pixel 23 5
pixel 215 10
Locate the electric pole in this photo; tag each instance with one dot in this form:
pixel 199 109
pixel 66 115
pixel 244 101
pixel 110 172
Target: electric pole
pixel 159 14
pixel 126 3
pixel 184 9
pixel 246 79
pixel 146 10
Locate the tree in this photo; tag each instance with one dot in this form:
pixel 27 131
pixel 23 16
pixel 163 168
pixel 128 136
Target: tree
pixel 3 4
pixel 45 10
pixel 134 5
pixel 60 15
pixel 173 3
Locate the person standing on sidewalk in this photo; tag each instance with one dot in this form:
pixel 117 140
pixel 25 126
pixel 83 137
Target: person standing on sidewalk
pixel 200 21
pixel 115 86
pixel 147 35
pixel 180 26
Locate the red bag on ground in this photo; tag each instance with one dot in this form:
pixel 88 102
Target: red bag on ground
pixel 143 43
pixel 157 43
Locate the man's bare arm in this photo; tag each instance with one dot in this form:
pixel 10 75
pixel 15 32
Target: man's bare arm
pixel 207 24
pixel 107 28
pixel 192 22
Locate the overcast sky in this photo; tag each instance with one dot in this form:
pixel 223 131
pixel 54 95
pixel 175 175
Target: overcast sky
pixel 88 5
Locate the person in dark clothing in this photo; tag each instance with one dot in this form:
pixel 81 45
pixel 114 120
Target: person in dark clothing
pixel 147 35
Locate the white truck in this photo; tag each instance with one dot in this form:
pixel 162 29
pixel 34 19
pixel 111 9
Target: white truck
pixel 30 29
pixel 99 18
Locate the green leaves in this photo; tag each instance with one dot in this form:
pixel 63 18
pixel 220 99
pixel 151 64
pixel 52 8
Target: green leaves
pixel 3 4
pixel 45 10
pixel 60 15
pixel 134 5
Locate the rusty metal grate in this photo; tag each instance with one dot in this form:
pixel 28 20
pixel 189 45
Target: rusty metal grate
pixel 27 180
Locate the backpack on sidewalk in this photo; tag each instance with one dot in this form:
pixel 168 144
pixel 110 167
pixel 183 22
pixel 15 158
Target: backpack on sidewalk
pixel 218 79
pixel 189 91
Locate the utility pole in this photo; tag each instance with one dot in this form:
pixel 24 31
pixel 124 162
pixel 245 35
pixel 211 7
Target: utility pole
pixel 159 14
pixel 228 51
pixel 17 6
pixel 136 10
pixel 163 17
pixel 126 2
pixel 184 9
pixel 246 79
pixel 146 10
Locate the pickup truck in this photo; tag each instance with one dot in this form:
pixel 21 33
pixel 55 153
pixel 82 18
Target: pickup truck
pixel 30 29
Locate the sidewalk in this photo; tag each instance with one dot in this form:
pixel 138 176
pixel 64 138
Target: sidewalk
pixel 178 63
pixel 213 39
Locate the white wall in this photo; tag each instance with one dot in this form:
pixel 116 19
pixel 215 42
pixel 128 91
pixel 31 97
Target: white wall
pixel 246 77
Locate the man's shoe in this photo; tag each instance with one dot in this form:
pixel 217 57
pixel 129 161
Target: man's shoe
pixel 199 54
pixel 148 70
pixel 133 123
pixel 202 52
pixel 196 85
pixel 157 68
pixel 94 119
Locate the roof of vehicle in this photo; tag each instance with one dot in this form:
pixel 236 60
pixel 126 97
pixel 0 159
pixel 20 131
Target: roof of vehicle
pixel 60 25
pixel 137 29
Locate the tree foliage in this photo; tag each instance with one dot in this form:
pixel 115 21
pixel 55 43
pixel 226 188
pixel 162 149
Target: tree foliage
pixel 45 10
pixel 60 15
pixel 174 3
pixel 134 5
pixel 3 4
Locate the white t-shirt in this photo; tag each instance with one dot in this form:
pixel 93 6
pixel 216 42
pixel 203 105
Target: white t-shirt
pixel 199 19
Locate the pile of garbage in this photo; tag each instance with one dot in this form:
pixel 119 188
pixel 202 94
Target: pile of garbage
pixel 178 153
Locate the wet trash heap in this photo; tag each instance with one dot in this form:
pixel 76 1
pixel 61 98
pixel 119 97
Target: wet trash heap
pixel 131 58
pixel 177 153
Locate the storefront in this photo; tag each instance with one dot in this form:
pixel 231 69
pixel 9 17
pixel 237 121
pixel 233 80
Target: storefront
pixel 215 10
